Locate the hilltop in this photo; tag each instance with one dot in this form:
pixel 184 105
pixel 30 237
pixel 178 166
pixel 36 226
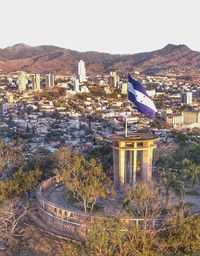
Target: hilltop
pixel 57 60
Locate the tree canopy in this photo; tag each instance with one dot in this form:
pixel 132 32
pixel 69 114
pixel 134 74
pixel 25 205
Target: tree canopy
pixel 84 178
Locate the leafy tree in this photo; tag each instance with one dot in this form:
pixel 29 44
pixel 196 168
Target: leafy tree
pixel 85 179
pixel 112 237
pixel 165 160
pixel 182 236
pixel 20 183
pixel 24 181
pixel 43 160
pixel 162 152
pixel 191 171
pixel 72 249
pixel 106 238
pixel 61 158
pixel 182 138
pixel 104 155
pixel 191 151
pixel 172 183
pixel 143 201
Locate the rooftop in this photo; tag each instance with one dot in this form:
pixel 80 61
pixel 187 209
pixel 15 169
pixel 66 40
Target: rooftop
pixel 133 137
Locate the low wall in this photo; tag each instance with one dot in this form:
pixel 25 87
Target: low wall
pixel 71 223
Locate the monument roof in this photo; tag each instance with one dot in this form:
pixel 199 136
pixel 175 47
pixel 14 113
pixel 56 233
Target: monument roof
pixel 133 137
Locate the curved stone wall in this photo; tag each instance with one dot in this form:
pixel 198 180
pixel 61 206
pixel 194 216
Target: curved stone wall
pixel 71 223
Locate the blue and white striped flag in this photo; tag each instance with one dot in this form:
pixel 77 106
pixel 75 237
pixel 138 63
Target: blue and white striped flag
pixel 138 95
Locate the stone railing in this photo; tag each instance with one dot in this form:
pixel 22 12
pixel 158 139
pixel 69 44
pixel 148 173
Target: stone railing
pixel 72 223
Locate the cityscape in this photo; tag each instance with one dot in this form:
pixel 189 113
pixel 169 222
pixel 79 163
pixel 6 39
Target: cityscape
pixel 99 136
pixel 52 111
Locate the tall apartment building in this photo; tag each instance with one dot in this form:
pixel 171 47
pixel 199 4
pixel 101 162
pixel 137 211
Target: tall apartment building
pixel 10 98
pixel 22 81
pixel 35 80
pixel 186 98
pixel 76 85
pixel 113 79
pixel 123 87
pixel 50 80
pixel 81 71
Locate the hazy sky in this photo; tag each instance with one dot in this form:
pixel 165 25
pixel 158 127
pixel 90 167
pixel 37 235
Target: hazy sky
pixel 116 26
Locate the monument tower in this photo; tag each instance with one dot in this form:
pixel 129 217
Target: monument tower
pixel 134 151
pixel 132 158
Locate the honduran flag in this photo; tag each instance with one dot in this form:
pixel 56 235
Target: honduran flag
pixel 138 95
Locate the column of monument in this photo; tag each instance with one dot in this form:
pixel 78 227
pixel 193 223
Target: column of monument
pixel 146 162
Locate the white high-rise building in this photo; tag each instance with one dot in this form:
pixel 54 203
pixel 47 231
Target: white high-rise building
pixel 76 85
pixel 81 71
pixel 50 80
pixel 10 98
pixel 113 79
pixel 22 81
pixel 187 98
pixel 36 82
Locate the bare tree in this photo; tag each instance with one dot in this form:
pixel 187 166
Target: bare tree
pixel 146 203
pixel 12 214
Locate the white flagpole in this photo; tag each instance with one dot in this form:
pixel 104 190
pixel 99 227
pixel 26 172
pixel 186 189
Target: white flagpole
pixel 126 124
pixel 126 127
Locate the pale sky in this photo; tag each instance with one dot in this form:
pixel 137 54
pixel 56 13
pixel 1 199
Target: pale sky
pixel 115 26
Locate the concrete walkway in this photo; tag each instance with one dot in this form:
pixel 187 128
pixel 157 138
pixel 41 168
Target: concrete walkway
pixel 193 200
pixel 57 194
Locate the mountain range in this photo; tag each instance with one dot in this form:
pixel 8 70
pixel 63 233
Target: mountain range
pixel 52 59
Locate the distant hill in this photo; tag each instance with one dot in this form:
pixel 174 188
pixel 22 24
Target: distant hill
pixel 52 59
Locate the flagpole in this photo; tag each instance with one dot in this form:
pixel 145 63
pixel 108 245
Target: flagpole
pixel 126 127
pixel 126 124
